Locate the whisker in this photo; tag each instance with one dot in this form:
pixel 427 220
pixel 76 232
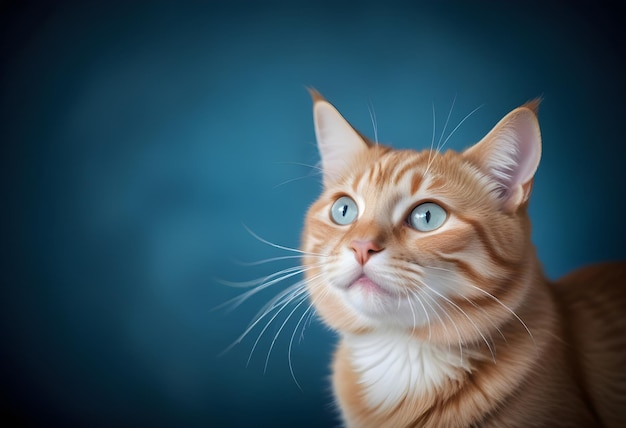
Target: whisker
pixel 370 107
pixel 445 126
pixel 511 311
pixel 293 293
pixel 316 167
pixel 461 123
pixel 307 323
pixel 254 282
pixel 304 314
pixel 471 302
pixel 412 313
pixel 412 269
pixel 264 261
pixel 268 308
pixel 487 316
pixel 261 285
pixel 275 302
pixel 439 268
pixel 246 332
pixel 432 142
pixel 299 294
pixel 282 247
pixel 443 132
pixel 419 300
pixel 458 333
pixel 466 316
pixel 267 359
pixel 491 296
pixel 291 180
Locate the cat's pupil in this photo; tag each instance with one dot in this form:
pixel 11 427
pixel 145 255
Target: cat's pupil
pixel 344 210
pixel 428 216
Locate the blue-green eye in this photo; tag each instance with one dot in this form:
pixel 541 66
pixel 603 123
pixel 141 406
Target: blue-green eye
pixel 344 211
pixel 427 217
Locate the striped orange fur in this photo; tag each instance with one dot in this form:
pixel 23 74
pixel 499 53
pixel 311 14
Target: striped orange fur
pixel 452 323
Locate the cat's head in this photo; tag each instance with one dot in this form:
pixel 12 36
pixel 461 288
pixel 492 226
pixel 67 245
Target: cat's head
pixel 433 243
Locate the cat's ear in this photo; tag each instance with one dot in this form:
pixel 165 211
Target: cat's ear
pixel 337 140
pixel 510 154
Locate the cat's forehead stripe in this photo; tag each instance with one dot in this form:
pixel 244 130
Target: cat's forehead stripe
pixel 416 182
pixel 412 161
pixel 410 165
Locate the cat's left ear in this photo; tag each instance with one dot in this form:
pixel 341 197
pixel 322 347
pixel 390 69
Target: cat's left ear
pixel 510 155
pixel 338 142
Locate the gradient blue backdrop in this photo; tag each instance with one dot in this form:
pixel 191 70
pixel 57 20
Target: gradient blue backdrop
pixel 137 137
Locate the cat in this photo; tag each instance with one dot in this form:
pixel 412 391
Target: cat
pixel 422 262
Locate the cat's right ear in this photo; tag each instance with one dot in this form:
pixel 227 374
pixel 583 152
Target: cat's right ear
pixel 510 154
pixel 337 140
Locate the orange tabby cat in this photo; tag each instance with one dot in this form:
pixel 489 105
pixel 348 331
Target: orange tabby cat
pixel 423 263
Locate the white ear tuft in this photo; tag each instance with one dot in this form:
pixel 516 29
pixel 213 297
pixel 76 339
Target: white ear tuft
pixel 337 141
pixel 510 155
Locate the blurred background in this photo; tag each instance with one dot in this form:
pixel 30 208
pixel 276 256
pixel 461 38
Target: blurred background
pixel 138 138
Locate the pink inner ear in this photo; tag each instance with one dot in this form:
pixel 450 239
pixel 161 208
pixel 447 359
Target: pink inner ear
pixel 529 150
pixel 510 153
pixel 337 141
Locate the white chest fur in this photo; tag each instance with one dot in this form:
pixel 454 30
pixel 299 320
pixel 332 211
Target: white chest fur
pixel 393 366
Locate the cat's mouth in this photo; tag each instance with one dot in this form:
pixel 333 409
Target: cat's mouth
pixel 365 284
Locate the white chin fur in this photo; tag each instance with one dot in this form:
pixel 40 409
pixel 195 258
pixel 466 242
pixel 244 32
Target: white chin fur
pixel 396 310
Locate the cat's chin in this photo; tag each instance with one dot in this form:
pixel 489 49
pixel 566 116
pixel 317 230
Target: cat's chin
pixel 365 285
pixel 367 297
pixel 379 304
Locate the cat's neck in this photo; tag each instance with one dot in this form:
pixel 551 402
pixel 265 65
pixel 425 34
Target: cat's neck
pixel 393 366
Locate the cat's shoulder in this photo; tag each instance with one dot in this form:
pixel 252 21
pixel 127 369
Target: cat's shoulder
pixel 593 300
pixel 602 282
pixel 593 303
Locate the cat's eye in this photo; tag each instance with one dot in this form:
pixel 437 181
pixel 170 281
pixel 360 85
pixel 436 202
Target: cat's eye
pixel 344 211
pixel 427 216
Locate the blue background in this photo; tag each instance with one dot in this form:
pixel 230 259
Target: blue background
pixel 138 137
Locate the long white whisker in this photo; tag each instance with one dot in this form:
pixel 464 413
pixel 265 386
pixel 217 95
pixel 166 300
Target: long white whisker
pixel 287 273
pixel 458 333
pixel 267 359
pixel 466 316
pixel 511 311
pixel 272 259
pixel 419 300
pixel 487 316
pixel 461 123
pixel 282 247
pixel 279 298
pixel 471 302
pixel 304 314
pixel 439 268
pixel 245 333
pixel 298 293
pixel 432 142
pixel 316 167
pixel 306 323
pixel 258 281
pixel 370 107
pixel 491 296
pixel 268 308
pixel 412 313
pixel 445 126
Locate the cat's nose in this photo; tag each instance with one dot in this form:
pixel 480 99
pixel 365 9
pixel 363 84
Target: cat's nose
pixel 363 250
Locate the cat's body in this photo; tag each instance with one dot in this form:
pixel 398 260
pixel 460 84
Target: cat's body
pixel 423 263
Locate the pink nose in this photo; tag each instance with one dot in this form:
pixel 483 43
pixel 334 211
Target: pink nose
pixel 363 250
